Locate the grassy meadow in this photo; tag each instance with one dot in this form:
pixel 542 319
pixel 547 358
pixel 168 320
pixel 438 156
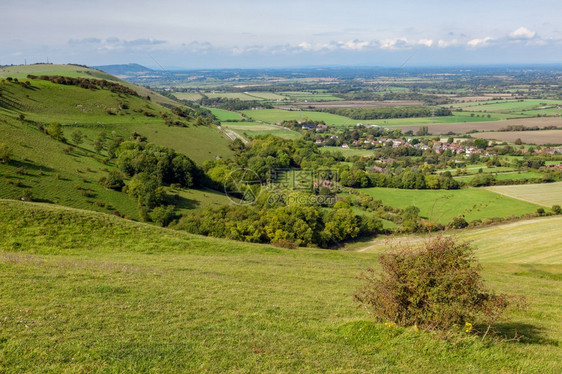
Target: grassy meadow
pixel 83 291
pixel 256 129
pixel 443 205
pixel 534 241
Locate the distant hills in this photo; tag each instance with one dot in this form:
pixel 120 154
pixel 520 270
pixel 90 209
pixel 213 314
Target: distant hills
pixel 124 70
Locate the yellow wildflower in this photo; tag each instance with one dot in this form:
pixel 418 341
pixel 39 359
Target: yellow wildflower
pixel 467 327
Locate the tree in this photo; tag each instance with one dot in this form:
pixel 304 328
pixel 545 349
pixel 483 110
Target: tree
pixel 55 131
pixel 163 215
pixel 481 143
pixel 98 145
pixel 556 209
pixel 5 153
pixel 113 180
pixel 77 137
pixel 518 141
pixel 146 189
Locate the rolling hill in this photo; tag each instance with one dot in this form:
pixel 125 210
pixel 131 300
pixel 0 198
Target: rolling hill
pixel 67 173
pixel 83 291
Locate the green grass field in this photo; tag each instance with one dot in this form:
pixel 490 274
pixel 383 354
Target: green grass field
pixel 311 96
pixel 85 292
pixel 277 115
pixel 503 176
pixel 527 107
pixel 443 205
pixel 189 96
pixel 247 96
pixel 225 115
pixel 348 151
pixel 255 129
pixel 545 194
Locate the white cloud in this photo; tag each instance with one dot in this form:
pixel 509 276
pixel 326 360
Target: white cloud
pixel 355 45
pixel 483 42
pixel 426 42
pixel 522 33
pixel 447 43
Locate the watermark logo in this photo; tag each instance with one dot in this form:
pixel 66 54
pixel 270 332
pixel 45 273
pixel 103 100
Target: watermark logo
pixel 242 186
pixel 283 186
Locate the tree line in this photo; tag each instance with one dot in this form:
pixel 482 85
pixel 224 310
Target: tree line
pixel 388 112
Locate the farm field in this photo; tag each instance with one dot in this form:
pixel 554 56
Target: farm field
pixel 458 119
pixel 247 96
pixel 362 104
pixel 277 115
pixel 460 128
pixel 532 241
pixel 475 168
pixel 225 115
pixel 530 137
pixel 545 194
pixel 348 151
pixel 255 129
pixel 314 96
pixel 189 96
pixel 526 107
pixel 504 175
pixel 114 295
pixel 443 205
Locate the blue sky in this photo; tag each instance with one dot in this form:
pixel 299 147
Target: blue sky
pixel 248 33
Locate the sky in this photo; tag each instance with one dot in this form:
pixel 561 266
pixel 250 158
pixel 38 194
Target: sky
pixel 202 34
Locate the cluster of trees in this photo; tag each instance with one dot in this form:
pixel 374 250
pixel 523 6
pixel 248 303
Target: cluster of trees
pixel 150 168
pixel 388 112
pixel 262 155
pixel 165 165
pixel 232 104
pixel 405 179
pixel 284 225
pixel 527 128
pixel 88 83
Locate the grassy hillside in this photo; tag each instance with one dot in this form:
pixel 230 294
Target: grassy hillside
pixel 83 291
pixel 537 240
pixel 76 71
pixel 96 110
pixel 68 173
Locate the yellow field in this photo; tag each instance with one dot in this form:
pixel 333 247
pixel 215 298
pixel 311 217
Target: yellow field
pixel 541 194
pixel 531 241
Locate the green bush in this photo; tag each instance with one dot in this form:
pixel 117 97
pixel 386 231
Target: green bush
pixel 5 153
pixel 113 180
pixel 556 209
pixel 458 223
pixel 163 215
pixel 436 286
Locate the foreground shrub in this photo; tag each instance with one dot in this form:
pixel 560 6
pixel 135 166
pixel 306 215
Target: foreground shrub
pixel 436 286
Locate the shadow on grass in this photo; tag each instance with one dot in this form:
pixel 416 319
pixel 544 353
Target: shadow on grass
pixel 30 166
pixel 184 203
pixel 524 333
